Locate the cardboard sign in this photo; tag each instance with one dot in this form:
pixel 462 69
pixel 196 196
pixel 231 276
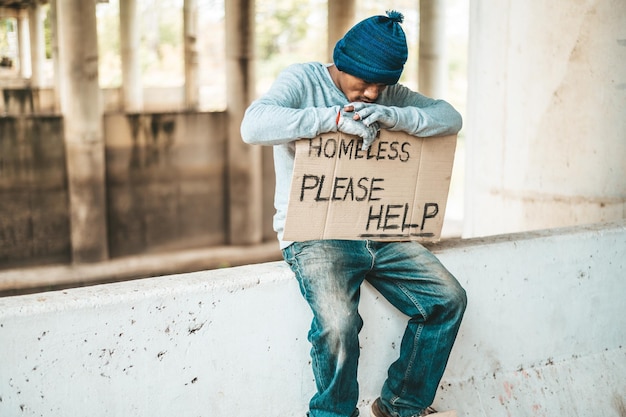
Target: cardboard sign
pixel 396 190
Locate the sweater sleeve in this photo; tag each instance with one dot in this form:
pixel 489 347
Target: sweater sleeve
pixel 283 114
pixel 422 116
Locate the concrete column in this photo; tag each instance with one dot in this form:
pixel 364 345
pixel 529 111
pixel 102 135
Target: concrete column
pixel 432 64
pixel 23 42
pixel 341 15
pixel 545 126
pixel 132 87
pixel 190 28
pixel 55 54
pixel 37 45
pixel 82 119
pixel 244 161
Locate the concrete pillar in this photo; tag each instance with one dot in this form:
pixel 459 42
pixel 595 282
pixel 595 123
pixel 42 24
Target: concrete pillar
pixel 82 119
pixel 341 15
pixel 545 126
pixel 37 44
pixel 23 41
pixel 56 66
pixel 190 36
pixel 132 87
pixel 432 64
pixel 244 161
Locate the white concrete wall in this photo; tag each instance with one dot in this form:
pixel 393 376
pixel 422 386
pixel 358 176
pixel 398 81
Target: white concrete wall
pixel 544 335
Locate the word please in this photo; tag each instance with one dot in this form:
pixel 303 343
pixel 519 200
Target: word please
pixel 341 188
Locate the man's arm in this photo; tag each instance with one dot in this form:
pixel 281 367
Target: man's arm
pixel 280 115
pixel 405 110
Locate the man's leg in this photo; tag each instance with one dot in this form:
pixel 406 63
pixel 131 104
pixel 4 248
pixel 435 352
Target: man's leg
pixel 416 283
pixel 330 273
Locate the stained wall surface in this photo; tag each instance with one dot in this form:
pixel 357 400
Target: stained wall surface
pixel 165 183
pixel 544 335
pixel 34 224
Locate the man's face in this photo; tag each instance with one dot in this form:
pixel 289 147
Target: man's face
pixel 356 89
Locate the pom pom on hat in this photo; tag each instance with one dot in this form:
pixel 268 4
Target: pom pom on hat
pixel 374 50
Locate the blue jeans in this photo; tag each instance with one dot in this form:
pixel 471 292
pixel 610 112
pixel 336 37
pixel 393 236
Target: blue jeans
pixel 330 274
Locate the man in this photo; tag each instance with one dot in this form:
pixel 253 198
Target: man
pixel 359 94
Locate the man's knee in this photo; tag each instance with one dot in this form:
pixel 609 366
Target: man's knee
pixel 339 326
pixel 458 300
pixel 455 297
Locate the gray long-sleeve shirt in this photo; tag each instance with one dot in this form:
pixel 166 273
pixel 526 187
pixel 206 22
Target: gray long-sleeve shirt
pixel 304 101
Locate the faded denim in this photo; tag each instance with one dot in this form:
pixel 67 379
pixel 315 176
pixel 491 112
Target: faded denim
pixel 330 274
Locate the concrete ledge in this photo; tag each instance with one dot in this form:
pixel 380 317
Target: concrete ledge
pixel 544 335
pixel 20 281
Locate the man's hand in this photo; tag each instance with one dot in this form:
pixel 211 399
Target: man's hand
pixel 347 122
pixel 369 113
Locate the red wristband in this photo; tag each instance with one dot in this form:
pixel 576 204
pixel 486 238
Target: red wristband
pixel 338 117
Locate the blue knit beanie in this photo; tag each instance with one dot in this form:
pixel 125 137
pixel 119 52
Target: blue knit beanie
pixel 374 49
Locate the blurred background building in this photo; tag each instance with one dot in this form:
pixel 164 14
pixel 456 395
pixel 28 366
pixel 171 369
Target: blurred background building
pixel 119 121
